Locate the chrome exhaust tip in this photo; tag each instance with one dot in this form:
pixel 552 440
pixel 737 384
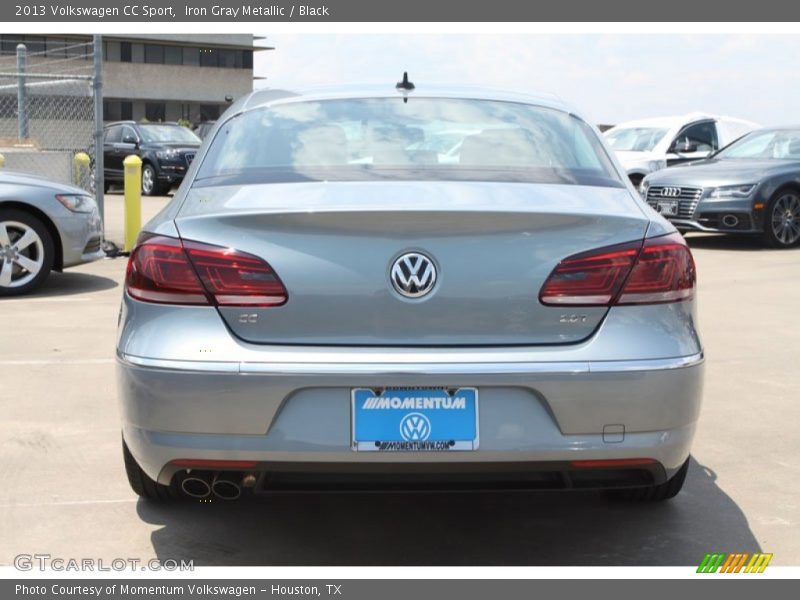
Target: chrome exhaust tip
pixel 196 487
pixel 226 487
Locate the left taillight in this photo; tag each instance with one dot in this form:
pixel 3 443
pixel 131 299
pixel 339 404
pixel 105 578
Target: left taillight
pixel 171 271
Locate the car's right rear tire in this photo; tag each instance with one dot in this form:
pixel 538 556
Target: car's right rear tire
pixel 654 493
pixel 141 483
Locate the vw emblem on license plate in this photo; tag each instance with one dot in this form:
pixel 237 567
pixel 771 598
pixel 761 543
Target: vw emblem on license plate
pixel 413 275
pixel 670 192
pixel 415 427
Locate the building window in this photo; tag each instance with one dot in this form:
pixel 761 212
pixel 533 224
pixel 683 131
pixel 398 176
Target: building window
pixel 125 51
pixel 191 56
pixel 173 55
pixel 77 49
pixel 8 44
pixel 35 44
pixel 113 51
pixel 209 112
pixel 155 112
pixel 227 58
pixel 209 57
pixel 117 110
pixel 137 53
pixel 55 47
pixel 154 54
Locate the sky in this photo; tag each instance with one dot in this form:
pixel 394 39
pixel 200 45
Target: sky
pixel 609 78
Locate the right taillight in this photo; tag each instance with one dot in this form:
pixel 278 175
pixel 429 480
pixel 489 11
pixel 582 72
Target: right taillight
pixel 171 271
pixel 659 270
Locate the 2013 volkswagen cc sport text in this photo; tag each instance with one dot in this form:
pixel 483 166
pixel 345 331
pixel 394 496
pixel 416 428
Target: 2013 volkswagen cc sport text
pixel 407 289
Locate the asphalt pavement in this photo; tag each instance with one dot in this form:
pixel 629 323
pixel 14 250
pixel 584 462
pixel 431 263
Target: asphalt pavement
pixel 64 490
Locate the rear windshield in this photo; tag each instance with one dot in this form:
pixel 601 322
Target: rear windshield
pixel 421 139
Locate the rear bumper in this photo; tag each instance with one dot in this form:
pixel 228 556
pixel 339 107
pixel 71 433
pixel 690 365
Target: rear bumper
pixel 189 389
pixel 296 414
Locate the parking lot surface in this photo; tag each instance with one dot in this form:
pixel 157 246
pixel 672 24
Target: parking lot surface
pixel 64 490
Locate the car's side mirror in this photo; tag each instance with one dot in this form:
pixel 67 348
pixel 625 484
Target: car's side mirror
pixel 130 139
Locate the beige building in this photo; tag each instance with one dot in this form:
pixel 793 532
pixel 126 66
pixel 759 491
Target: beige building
pixel 157 77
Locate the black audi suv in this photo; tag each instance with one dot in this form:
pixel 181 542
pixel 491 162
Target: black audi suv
pixel 166 150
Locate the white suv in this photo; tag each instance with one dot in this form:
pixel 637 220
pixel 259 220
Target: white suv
pixel 648 145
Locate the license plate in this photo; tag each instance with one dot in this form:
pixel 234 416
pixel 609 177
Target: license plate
pixel 414 420
pixel 669 208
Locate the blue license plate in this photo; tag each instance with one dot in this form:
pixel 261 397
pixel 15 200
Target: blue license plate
pixel 415 420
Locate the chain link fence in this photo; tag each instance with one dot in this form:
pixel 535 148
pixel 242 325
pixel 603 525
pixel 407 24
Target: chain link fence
pixel 48 111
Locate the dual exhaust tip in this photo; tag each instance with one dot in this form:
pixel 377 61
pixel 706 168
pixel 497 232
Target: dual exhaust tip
pixel 225 486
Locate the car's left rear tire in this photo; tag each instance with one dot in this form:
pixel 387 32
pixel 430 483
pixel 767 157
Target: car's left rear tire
pixel 141 483
pixel 654 493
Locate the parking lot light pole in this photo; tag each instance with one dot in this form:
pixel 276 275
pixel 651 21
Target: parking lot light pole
pixel 22 99
pixel 99 165
pixel 133 199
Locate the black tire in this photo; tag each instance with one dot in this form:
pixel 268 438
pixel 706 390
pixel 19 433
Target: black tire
pixel 150 185
pixel 141 483
pixel 654 493
pixel 636 180
pixel 789 200
pixel 14 215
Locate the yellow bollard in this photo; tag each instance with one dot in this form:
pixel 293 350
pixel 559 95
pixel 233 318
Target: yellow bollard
pixel 80 166
pixel 133 199
pixel 2 161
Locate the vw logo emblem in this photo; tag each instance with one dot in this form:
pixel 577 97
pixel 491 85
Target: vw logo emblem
pixel 671 192
pixel 413 275
pixel 415 427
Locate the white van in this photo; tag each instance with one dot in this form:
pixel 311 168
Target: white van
pixel 648 145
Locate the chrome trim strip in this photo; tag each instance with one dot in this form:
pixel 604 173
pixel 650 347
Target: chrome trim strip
pixel 661 364
pixel 198 366
pixel 461 368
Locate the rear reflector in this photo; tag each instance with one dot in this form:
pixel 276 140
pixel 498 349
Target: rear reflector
pixel 612 463
pixel 170 271
pixel 659 270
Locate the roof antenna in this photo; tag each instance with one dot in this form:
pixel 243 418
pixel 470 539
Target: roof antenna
pixel 404 86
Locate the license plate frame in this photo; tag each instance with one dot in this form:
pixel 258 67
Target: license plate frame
pixel 415 419
pixel 668 208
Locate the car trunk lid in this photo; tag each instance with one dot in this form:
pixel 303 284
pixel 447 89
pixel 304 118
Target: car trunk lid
pixel 333 245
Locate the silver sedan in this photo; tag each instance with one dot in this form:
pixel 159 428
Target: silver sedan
pixel 44 226
pixel 329 303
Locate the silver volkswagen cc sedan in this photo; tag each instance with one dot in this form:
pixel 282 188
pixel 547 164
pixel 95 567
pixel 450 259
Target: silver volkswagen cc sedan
pixel 329 304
